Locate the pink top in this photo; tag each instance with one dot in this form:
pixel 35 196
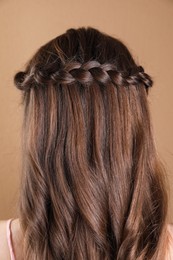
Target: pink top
pixel 9 240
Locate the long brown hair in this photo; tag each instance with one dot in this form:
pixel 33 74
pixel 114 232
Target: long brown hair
pixel 92 185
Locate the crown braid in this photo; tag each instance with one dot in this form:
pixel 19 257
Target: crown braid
pixel 83 73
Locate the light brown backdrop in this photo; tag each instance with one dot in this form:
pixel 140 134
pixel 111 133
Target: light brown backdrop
pixel 146 27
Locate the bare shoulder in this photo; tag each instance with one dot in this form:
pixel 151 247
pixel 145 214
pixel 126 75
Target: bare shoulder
pixel 170 228
pixel 4 250
pixel 170 231
pixel 15 237
pixel 170 240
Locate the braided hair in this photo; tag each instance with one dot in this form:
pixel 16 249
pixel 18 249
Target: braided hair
pixel 84 73
pixel 92 186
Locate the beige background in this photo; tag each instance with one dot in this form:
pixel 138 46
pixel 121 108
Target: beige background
pixel 145 26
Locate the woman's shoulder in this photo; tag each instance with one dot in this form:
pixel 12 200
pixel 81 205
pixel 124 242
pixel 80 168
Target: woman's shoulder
pixel 170 233
pixel 15 234
pixel 170 228
pixel 4 249
pixel 170 240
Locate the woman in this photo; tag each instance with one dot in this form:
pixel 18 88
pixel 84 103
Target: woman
pixel 92 185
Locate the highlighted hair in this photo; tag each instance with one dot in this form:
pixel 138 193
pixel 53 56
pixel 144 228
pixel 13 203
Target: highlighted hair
pixel 92 185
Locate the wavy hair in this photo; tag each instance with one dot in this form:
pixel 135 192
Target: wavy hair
pixel 92 185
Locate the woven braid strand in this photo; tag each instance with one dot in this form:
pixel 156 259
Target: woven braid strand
pixel 84 73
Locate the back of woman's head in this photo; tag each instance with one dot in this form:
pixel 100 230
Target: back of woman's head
pixel 92 186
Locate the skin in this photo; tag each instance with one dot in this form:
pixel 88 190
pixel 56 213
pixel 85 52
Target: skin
pixel 17 240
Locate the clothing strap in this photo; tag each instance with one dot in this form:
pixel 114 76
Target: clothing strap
pixel 9 239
